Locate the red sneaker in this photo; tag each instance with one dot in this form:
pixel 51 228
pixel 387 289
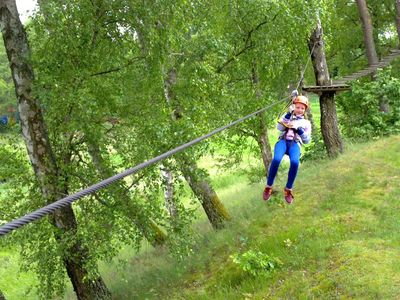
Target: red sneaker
pixel 288 196
pixel 267 193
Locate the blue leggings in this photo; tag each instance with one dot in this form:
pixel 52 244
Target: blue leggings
pixel 290 148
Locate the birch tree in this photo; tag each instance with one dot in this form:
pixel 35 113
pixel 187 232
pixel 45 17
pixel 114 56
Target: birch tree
pixel 43 161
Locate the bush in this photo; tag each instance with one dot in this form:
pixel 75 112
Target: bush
pixel 361 115
pixel 256 263
pixel 315 150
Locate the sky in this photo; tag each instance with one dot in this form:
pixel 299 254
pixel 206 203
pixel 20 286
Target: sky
pixel 25 8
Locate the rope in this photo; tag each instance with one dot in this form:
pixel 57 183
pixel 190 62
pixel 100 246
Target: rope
pixel 64 202
pixel 305 67
pixel 301 79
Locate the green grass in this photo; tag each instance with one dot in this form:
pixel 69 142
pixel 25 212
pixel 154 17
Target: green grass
pixel 340 239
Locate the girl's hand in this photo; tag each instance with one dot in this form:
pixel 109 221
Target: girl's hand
pixel 300 130
pixel 288 115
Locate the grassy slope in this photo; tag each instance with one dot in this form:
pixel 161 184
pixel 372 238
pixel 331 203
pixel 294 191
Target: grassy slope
pixel 339 239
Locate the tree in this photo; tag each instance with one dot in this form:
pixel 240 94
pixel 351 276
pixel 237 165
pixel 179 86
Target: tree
pixel 41 155
pixel 329 123
pixel 98 83
pixel 369 42
pixel 261 135
pixel 368 32
pixel 159 38
pixel 260 48
pixel 107 127
pixel 344 35
pixel 134 210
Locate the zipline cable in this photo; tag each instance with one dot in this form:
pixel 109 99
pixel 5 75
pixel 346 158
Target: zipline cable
pixel 17 223
pixel 302 73
pixel 48 209
pixel 305 67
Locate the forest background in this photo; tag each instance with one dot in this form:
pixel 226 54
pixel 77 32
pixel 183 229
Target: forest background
pixel 107 85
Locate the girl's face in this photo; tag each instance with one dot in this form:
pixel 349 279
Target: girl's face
pixel 299 109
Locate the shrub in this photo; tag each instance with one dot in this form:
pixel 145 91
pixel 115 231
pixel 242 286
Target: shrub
pixel 361 115
pixel 315 150
pixel 256 263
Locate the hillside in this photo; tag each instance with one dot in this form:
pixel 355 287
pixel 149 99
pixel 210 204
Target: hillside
pixel 339 239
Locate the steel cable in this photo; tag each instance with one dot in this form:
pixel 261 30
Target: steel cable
pixel 302 73
pixel 17 223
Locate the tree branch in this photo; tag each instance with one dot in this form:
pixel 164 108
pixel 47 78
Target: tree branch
pixel 219 70
pixel 95 195
pixel 80 158
pixel 135 182
pixel 247 45
pixel 248 133
pixel 116 69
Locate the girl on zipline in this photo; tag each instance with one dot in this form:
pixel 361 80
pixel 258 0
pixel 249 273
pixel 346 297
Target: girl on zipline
pixel 295 130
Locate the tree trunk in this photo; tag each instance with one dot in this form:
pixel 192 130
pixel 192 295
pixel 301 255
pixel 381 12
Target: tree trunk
pixel 398 21
pixel 263 143
pixel 368 32
pixel 332 138
pixel 168 181
pixel 329 124
pixel 215 210
pixel 372 57
pixel 147 227
pixel 75 259
pixel 40 152
pixel 2 297
pixel 262 132
pixel 169 81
